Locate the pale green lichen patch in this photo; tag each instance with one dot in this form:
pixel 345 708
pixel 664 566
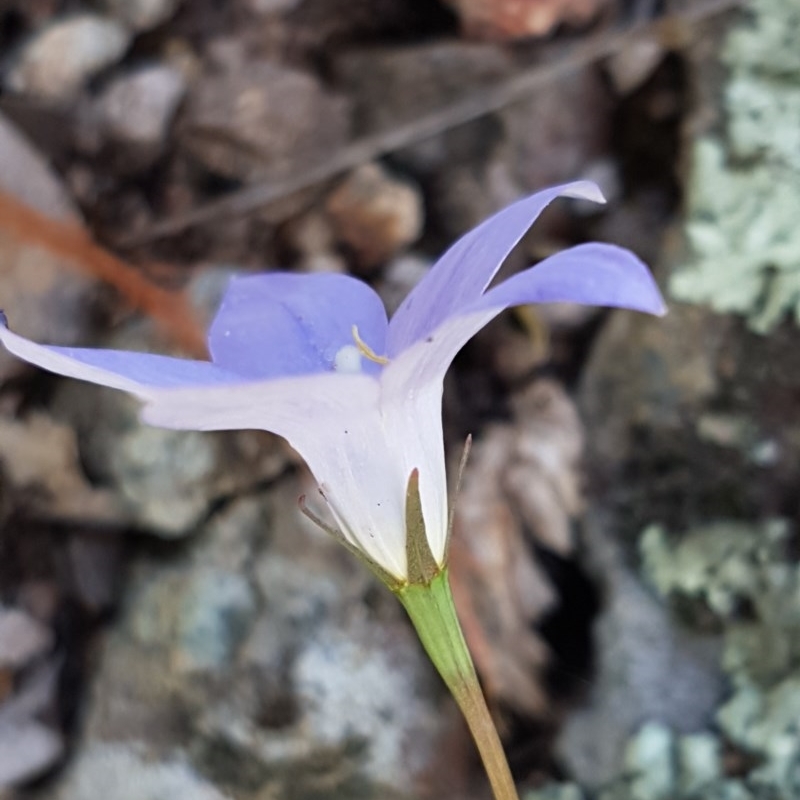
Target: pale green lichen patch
pixel 719 563
pixel 557 791
pixel 768 38
pixel 743 197
pixel 744 574
pixel 660 765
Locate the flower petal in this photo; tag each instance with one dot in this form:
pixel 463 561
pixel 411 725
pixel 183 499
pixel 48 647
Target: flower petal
pixel 413 427
pixel 280 324
pixel 360 451
pixel 462 274
pixel 589 274
pixel 596 274
pixel 138 373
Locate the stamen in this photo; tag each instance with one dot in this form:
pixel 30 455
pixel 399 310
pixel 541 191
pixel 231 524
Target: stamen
pixel 366 350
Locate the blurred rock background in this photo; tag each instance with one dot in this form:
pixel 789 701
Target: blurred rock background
pixel 625 552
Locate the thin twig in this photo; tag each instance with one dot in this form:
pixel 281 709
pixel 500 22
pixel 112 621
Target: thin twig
pixel 485 101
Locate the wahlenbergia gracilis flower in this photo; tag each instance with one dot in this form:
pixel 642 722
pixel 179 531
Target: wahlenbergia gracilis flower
pixel 313 359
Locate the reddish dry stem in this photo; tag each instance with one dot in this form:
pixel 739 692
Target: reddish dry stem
pixel 72 243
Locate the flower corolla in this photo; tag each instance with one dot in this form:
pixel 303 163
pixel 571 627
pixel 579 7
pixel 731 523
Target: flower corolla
pixel 314 359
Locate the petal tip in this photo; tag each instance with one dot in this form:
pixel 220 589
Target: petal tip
pixel 655 304
pixel 3 319
pixel 585 190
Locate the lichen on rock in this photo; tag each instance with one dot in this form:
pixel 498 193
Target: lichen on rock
pixel 744 192
pixel 744 575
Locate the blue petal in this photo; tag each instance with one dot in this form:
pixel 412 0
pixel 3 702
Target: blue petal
pixel 132 372
pixel 279 324
pixel 462 274
pixel 589 274
pixel 596 274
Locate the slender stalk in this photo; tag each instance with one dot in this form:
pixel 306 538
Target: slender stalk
pixel 433 613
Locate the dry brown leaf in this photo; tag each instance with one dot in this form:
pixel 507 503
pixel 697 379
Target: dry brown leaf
pixel 522 481
pixel 502 20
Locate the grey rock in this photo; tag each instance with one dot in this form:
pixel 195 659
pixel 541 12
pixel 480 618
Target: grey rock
pixel 27 749
pixel 396 84
pixel 164 472
pixel 347 697
pixel 142 15
pixel 548 136
pixel 261 119
pixel 136 110
pixel 125 774
pixel 40 459
pixel 651 396
pixel 162 477
pixel 58 60
pixel 203 616
pixel 466 192
pixel 22 638
pixel 35 694
pixel 648 372
pixel 29 746
pixel 649 670
pixel 372 700
pixel 27 175
pixel 693 433
pixel 250 666
pixel 392 85
pixel 44 297
pixel 557 791
pixel 167 481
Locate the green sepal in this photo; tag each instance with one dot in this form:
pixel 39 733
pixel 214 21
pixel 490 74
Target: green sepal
pixel 432 611
pixel 420 563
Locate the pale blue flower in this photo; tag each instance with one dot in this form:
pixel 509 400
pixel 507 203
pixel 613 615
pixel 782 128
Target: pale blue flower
pixel 312 358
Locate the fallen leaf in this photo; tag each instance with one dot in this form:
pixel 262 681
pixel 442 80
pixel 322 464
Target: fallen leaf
pixel 521 486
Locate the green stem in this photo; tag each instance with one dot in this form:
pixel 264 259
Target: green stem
pixel 433 613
